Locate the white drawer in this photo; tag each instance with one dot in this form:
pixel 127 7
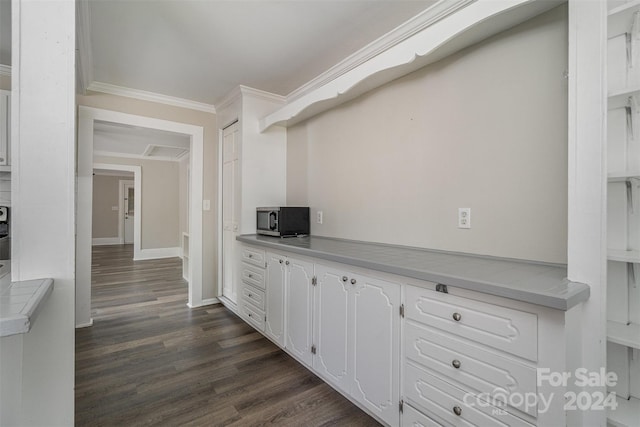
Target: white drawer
pixel 479 370
pixel 414 418
pixel 254 316
pixel 253 256
pixel 439 400
pixel 253 275
pixel 509 330
pixel 253 296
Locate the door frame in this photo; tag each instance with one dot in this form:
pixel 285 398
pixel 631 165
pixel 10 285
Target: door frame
pixel 86 118
pixel 123 184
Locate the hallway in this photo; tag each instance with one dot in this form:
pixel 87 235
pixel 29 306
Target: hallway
pixel 150 360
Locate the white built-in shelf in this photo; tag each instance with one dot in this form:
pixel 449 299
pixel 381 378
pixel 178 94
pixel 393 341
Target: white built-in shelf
pixel 623 256
pixel 620 98
pixel 626 414
pixel 624 334
pixel 623 176
pixel 621 18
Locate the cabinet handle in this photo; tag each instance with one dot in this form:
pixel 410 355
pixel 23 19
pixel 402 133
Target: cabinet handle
pixel 286 262
pixel 457 317
pixel 250 276
pixel 345 278
pixel 353 281
pixel 281 261
pixel 249 314
pixel 250 295
pixel 457 410
pixel 456 363
pixel 250 255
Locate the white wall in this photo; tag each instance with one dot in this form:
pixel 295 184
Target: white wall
pixel 39 365
pixel 485 128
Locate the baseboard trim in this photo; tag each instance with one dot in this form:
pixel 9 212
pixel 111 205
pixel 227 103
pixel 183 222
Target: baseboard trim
pixel 205 302
pixel 229 304
pixel 85 325
pixel 158 253
pixel 104 241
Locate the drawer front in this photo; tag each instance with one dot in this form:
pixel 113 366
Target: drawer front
pixel 253 296
pixel 440 400
pixel 513 331
pixel 253 275
pixel 414 418
pixel 254 316
pixel 253 256
pixel 480 370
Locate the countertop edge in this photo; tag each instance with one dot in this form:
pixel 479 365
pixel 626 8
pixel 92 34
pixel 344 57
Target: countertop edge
pixel 578 293
pixel 20 323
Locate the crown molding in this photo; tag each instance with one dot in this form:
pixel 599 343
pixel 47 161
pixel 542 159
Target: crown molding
pixel 84 54
pixel 5 70
pixel 151 96
pixel 241 90
pixel 424 19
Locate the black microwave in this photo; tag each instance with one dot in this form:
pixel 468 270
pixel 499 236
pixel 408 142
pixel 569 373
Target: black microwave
pixel 283 221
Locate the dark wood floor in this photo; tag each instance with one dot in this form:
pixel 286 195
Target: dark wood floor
pixel 150 360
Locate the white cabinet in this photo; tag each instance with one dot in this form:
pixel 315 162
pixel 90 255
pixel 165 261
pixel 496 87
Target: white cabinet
pixel 5 126
pixel 357 334
pixel 253 286
pixel 299 309
pixel 623 209
pixel 275 281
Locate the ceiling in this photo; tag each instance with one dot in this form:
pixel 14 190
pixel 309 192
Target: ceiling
pixel 200 50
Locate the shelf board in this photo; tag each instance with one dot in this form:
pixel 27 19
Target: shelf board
pixel 618 98
pixel 627 414
pixel 621 18
pixel 623 256
pixel 623 176
pixel 623 334
pixel 5 168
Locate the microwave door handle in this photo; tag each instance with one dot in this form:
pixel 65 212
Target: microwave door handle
pixel 273 222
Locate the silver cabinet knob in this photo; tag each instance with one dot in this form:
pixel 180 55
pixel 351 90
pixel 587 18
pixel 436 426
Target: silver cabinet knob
pixel 457 410
pixel 286 262
pixel 250 295
pixel 456 364
pixel 250 276
pixel 457 317
pixel 281 261
pixel 345 278
pixel 353 281
pixel 250 255
pixel 249 314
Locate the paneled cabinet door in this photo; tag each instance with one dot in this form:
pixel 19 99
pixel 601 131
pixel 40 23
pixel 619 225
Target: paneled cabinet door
pixel 331 330
pixel 299 309
pixel 274 325
pixel 375 322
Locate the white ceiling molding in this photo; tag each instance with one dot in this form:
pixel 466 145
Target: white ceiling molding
pixel 407 29
pixel 102 153
pixel 151 96
pixel 5 70
pixel 447 33
pixel 240 90
pixel 84 54
pixel 109 172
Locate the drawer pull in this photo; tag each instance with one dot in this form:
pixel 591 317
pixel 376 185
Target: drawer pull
pixel 457 317
pixel 250 315
pixel 353 281
pixel 345 278
pixel 457 410
pixel 250 255
pixel 280 261
pixel 250 295
pixel 287 262
pixel 250 276
pixel 456 364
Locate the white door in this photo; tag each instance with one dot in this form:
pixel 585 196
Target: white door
pixel 331 329
pixel 128 212
pixel 230 208
pixel 299 312
pixel 375 322
pixel 275 277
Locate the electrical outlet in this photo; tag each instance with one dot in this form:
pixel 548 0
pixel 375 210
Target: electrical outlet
pixel 464 217
pixel 319 217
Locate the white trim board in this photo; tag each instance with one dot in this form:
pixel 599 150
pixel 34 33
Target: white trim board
pixel 158 253
pixel 106 241
pixel 86 118
pixel 5 70
pixel 150 96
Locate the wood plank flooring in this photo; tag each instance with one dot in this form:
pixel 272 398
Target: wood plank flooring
pixel 150 360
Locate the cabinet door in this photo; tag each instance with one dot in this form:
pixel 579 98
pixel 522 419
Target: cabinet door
pixel 375 322
pixel 274 325
pixel 299 309
pixel 331 327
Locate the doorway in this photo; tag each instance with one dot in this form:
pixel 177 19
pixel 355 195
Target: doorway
pixel 127 210
pixel 230 208
pixel 87 119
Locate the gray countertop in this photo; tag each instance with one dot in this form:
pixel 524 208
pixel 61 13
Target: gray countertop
pixel 20 303
pixel 536 283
